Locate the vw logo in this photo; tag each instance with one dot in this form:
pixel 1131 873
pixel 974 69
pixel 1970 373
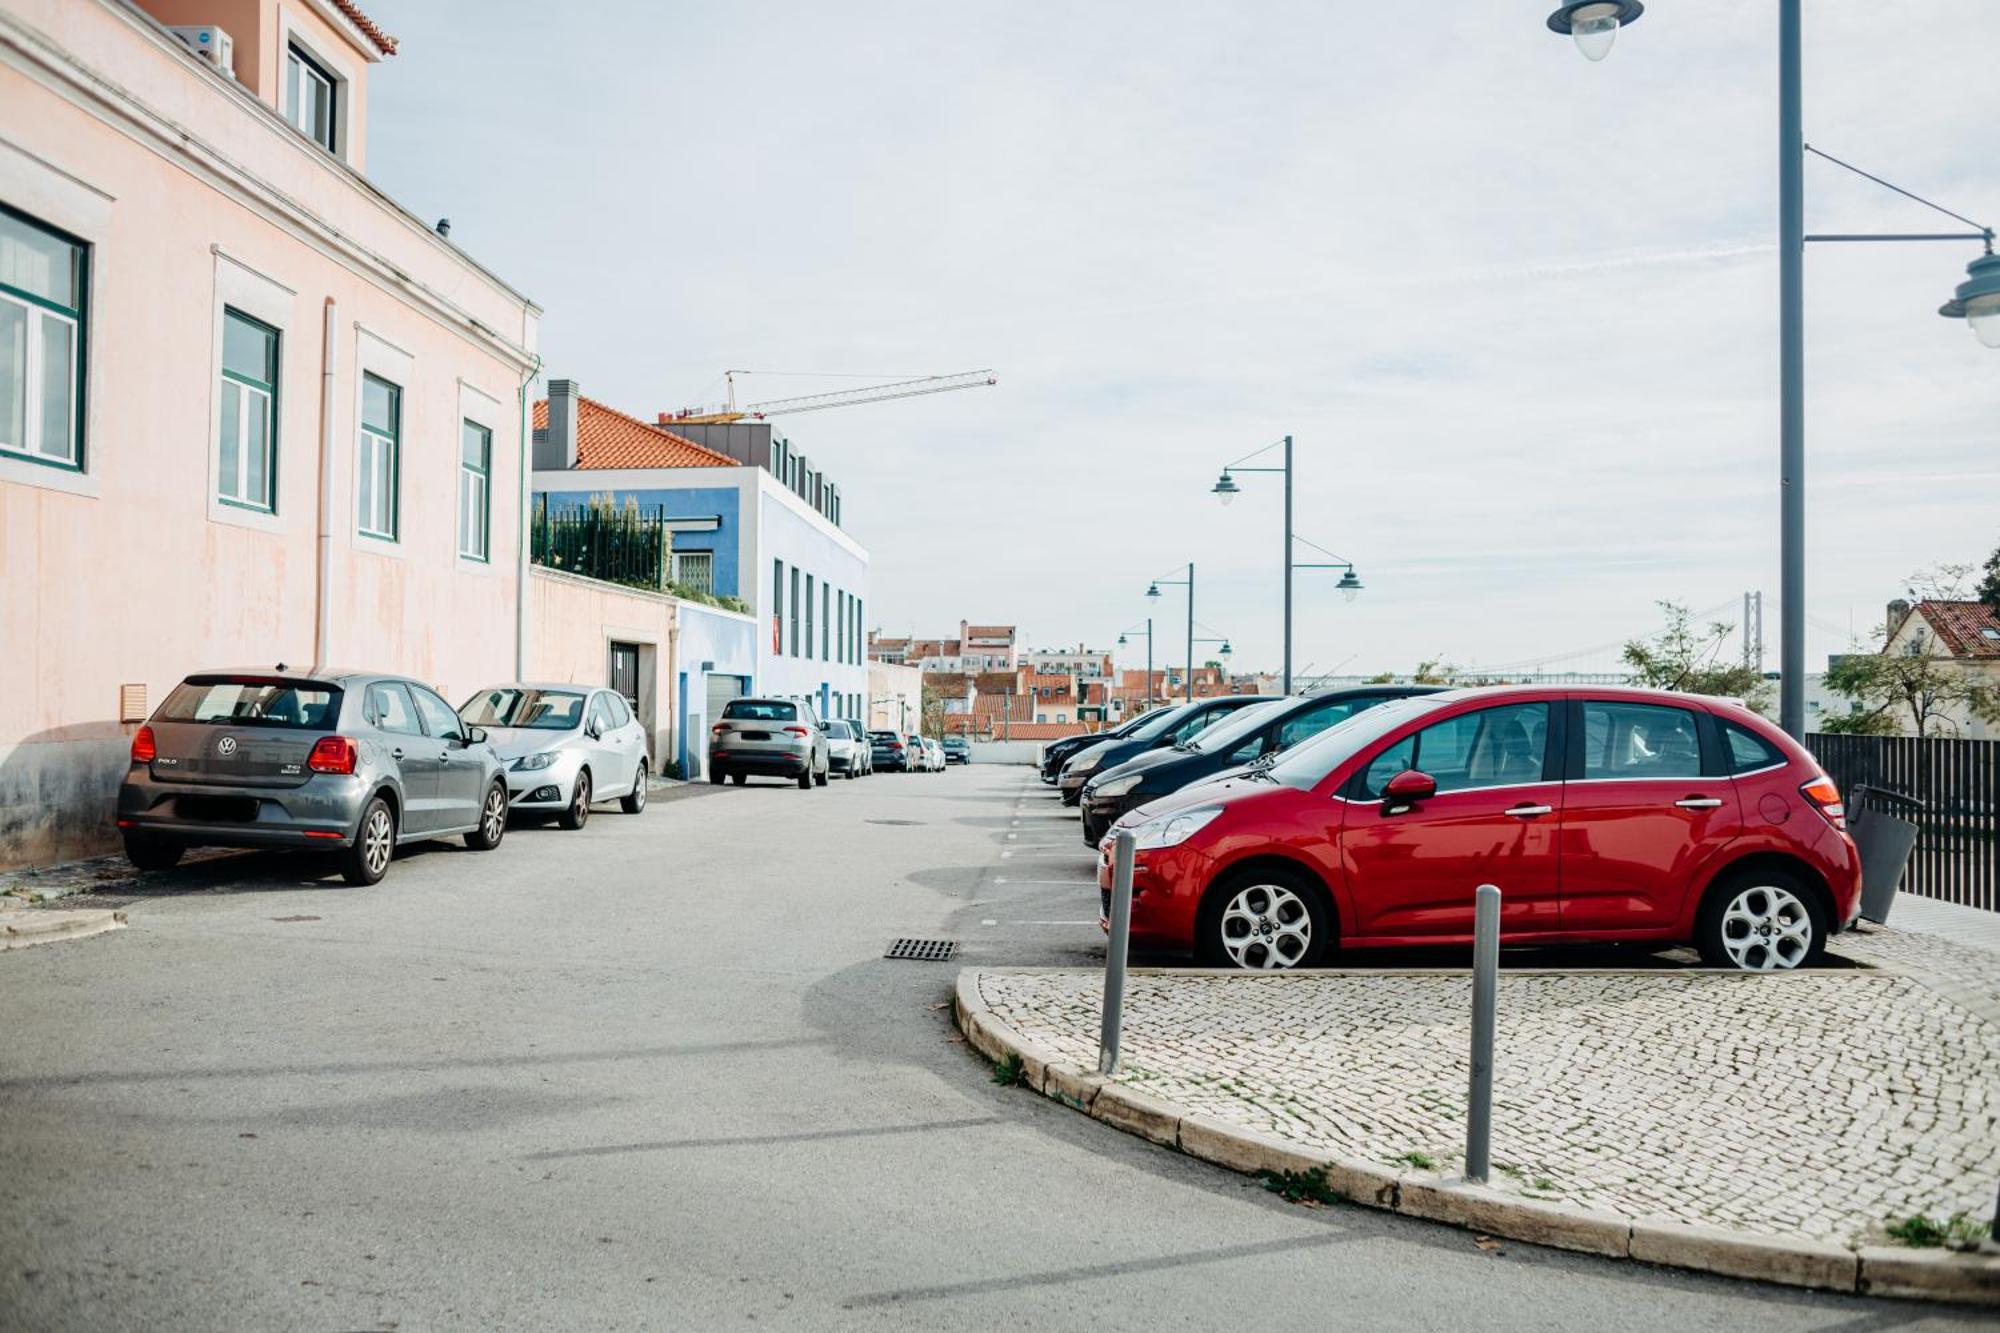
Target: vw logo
pixel 226 746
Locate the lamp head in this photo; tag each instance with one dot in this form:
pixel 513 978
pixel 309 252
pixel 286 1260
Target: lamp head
pixel 1152 590
pixel 1121 641
pixel 1977 300
pixel 1226 488
pixel 1349 586
pixel 1594 24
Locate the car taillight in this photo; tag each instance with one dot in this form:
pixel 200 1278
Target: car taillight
pixel 144 749
pixel 1825 798
pixel 333 754
pixel 797 731
pixel 719 728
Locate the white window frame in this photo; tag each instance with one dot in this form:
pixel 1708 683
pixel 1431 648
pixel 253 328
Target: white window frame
pixel 292 36
pixel 370 446
pixel 304 73
pixel 375 355
pixel 482 478
pixel 248 398
pixel 36 314
pixel 482 409
pixel 267 300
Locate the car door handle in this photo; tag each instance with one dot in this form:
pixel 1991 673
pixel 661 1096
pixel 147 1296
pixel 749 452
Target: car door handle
pixel 1528 811
pixel 1699 803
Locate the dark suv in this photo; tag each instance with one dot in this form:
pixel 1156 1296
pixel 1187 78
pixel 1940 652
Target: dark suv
pixel 1169 726
pixel 1250 736
pixel 957 750
pixel 891 753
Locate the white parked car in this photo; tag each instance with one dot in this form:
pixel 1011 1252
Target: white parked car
pixel 934 752
pixel 563 747
pixel 847 750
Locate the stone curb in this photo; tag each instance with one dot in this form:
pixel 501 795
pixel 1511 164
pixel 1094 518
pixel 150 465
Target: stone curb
pixel 19 930
pixel 1789 1260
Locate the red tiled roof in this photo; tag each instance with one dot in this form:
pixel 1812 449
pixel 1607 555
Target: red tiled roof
pixel 1051 678
pixel 1960 627
pixel 607 438
pixel 383 41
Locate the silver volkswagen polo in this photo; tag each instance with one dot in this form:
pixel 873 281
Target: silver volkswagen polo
pixel 564 746
pixel 348 761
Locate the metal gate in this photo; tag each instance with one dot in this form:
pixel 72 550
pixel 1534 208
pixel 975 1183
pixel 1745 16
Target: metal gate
pixel 625 673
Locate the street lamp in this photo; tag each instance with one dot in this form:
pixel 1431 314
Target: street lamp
pixel 1595 23
pixel 1977 302
pixel 1227 488
pixel 1149 651
pixel 1153 591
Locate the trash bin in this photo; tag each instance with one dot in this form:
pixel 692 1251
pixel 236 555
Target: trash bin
pixel 1885 841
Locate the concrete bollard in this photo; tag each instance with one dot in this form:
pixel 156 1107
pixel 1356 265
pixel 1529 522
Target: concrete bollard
pixel 1485 993
pixel 1114 954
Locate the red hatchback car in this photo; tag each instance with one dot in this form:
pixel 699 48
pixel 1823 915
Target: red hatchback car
pixel 1602 814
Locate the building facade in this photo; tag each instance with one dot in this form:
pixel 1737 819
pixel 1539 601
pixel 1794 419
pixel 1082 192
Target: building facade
pixel 251 411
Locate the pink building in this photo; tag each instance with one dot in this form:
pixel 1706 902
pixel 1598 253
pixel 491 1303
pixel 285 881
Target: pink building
pixel 251 410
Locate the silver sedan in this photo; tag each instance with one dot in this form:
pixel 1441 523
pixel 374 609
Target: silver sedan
pixel 563 747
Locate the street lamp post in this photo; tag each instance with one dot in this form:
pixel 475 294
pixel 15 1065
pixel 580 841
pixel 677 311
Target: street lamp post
pixel 1594 24
pixel 1226 490
pixel 1153 591
pixel 1149 657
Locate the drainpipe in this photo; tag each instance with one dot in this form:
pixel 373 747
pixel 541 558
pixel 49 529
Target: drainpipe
pixel 523 519
pixel 323 590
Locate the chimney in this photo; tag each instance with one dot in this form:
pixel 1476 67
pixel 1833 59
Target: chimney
pixel 555 448
pixel 1899 611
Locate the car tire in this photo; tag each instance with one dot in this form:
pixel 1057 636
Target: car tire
pixel 806 778
pixel 819 778
pixel 716 776
pixel 492 819
pixel 1227 926
pixel 739 778
pixel 1761 920
pixel 577 813
pixel 634 801
pixel 367 860
pixel 147 852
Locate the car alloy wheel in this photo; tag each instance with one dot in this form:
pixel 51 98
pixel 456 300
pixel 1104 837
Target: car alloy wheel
pixel 378 840
pixel 1766 928
pixel 579 802
pixel 634 801
pixel 493 819
pixel 1266 927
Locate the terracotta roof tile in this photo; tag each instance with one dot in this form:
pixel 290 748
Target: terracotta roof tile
pixel 1963 627
pixel 383 41
pixel 607 438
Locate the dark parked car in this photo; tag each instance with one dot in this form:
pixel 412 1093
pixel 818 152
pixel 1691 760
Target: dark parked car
pixel 1057 753
pixel 1604 815
pixel 1250 735
pixel 891 752
pixel 1168 726
pixel 345 761
pixel 957 750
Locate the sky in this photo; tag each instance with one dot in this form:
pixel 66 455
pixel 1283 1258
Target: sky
pixel 1519 311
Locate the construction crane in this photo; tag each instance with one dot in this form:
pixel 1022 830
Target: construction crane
pixel 814 402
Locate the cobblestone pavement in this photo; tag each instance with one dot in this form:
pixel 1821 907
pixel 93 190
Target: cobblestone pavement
pixel 1817 1104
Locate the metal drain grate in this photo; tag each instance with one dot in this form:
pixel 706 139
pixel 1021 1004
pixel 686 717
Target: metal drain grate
pixel 898 823
pixel 923 951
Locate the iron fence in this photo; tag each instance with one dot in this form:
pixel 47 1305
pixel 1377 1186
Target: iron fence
pixel 1957 858
pixel 617 545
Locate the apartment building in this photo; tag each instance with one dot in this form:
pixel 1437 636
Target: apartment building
pixel 251 410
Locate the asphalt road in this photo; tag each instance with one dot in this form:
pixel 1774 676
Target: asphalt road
pixel 657 1074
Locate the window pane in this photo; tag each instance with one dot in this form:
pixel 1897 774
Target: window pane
pixel 1639 741
pixel 249 349
pixel 1747 751
pixel 1311 724
pixel 40 263
pixel 379 405
pixel 58 386
pixel 322 111
pixel 1494 747
pixel 13 375
pixel 475 445
pixel 293 107
pixel 364 469
pixel 229 464
pixel 385 487
pixel 257 448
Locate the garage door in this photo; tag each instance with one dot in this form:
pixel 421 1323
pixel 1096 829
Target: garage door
pixel 721 689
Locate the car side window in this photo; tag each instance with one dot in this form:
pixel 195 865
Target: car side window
pixel 620 714
pixel 1489 747
pixel 439 719
pixel 1315 720
pixel 1192 727
pixel 1637 741
pixel 1386 765
pixel 1748 750
pixel 390 709
pixel 600 714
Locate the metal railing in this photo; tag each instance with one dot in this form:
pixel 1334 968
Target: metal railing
pixel 1957 856
pixel 616 545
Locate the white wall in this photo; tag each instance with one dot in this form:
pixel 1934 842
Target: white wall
pixel 788 529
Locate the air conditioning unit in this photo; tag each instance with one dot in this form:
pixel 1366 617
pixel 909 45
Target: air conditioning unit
pixel 210 43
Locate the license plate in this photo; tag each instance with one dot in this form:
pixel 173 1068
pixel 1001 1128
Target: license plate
pixel 753 735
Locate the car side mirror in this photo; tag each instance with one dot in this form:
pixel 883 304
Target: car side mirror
pixel 475 736
pixel 1406 789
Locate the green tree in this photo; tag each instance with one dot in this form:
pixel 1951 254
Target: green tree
pixel 1989 586
pixel 1684 657
pixel 1434 671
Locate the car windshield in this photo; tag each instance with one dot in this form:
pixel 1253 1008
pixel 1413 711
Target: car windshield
pixel 761 710
pixel 837 730
pixel 1306 763
pixel 246 701
pixel 1222 736
pixel 518 706
pixel 1157 723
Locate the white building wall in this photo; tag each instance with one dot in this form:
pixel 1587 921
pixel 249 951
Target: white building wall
pixel 831 671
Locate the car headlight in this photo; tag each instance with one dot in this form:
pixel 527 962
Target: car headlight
pixel 1085 763
pixel 1115 786
pixel 529 763
pixel 1173 830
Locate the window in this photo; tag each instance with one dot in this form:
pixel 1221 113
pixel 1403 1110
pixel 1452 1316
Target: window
pixel 1747 750
pixel 475 489
pixel 795 611
pixel 1622 740
pixel 809 615
pixel 826 622
pixel 777 606
pixel 1493 747
pixel 620 714
pixel 251 702
pixel 840 633
pixel 1316 720
pixel 600 715
pixel 42 283
pixel 246 471
pixel 390 709
pixel 309 94
pixel 530 709
pixel 439 720
pixel 695 570
pixel 377 468
pixel 761 710
pixel 1988 632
